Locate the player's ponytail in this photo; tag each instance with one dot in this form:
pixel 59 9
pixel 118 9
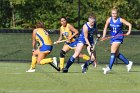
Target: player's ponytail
pixel 40 25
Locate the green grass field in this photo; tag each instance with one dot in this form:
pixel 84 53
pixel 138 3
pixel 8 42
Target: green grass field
pixel 14 79
pixel 17 46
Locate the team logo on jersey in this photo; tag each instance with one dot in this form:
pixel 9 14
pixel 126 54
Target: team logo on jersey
pixel 66 34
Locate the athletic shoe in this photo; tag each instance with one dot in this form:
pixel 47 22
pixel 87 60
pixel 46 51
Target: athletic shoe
pixel 82 66
pixel 106 70
pixel 65 70
pixel 55 61
pixel 84 70
pixel 31 70
pixel 129 66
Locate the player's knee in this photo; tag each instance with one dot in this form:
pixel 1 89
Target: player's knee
pixel 62 53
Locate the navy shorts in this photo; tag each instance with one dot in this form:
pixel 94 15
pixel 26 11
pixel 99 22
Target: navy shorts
pixel 82 40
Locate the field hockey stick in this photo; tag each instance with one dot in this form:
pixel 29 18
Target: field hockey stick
pixel 92 48
pixel 96 40
pixel 58 69
pixel 106 38
pixel 60 41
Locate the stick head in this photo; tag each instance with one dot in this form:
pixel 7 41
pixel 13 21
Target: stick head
pixel 98 35
pixel 54 42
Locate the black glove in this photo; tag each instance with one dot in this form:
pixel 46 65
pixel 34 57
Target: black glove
pixel 91 49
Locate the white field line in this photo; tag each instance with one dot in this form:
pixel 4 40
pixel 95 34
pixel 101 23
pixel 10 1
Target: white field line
pixel 119 90
pixel 32 91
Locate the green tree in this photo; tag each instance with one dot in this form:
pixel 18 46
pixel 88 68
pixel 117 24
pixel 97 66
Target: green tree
pixel 25 13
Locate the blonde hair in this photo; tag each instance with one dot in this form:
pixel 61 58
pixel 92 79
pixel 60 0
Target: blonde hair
pixel 114 9
pixel 92 17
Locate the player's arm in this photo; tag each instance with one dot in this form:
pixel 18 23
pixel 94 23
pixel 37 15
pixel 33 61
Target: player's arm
pixel 75 32
pixel 85 30
pixel 128 24
pixel 33 39
pixel 105 28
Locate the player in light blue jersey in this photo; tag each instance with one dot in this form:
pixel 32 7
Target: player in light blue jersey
pixel 85 38
pixel 115 23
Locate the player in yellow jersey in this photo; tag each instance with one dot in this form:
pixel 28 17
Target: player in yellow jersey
pixel 41 36
pixel 68 32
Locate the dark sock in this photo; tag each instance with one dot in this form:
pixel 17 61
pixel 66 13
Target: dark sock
pixel 122 58
pixel 70 62
pixel 87 63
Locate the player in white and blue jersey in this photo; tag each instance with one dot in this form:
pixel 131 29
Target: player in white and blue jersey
pixel 115 23
pixel 85 38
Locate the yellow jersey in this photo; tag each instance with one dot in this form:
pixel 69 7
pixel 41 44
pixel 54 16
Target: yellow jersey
pixel 66 32
pixel 43 37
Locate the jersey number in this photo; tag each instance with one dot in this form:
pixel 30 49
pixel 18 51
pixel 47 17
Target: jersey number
pixel 114 30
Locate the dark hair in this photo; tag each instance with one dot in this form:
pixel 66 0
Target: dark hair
pixel 40 25
pixel 64 18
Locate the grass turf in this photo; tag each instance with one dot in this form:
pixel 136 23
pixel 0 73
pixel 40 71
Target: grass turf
pixel 14 79
pixel 17 46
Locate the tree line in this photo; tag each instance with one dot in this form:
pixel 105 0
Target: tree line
pixel 23 14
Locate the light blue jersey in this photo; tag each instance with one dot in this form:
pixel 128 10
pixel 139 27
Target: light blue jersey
pixel 91 31
pixel 116 29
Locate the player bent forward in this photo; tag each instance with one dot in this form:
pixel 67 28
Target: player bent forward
pixel 85 38
pixel 41 35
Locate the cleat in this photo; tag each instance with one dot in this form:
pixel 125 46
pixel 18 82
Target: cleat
pixel 84 70
pixel 129 66
pixel 65 70
pixel 55 61
pixel 82 66
pixel 31 70
pixel 106 70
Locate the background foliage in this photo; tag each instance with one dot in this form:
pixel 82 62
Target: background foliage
pixel 25 13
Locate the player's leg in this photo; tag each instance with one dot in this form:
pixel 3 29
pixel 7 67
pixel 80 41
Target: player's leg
pixel 42 60
pixel 84 56
pixel 63 52
pixel 44 51
pixel 114 47
pixel 72 58
pixel 34 61
pixel 90 61
pixel 52 61
pixel 125 60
